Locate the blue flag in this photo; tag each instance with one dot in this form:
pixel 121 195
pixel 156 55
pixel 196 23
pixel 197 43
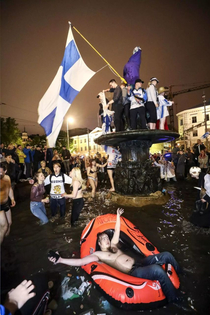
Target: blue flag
pixel 72 75
pixel 132 67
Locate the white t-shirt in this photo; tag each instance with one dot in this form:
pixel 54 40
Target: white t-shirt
pixel 57 184
pixel 114 157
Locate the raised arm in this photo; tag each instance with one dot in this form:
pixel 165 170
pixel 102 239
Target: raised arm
pixel 116 236
pixel 101 165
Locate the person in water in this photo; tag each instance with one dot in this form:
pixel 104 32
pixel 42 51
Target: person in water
pixel 92 175
pixel 37 200
pixel 6 201
pixel 146 268
pixel 76 195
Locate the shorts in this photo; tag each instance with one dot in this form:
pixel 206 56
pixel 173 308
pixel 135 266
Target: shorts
pixel 110 168
pixel 93 178
pixel 5 206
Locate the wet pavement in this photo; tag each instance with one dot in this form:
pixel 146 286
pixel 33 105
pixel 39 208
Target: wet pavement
pixel 24 252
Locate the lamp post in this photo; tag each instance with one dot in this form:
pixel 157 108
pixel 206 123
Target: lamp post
pixel 205 120
pixel 69 120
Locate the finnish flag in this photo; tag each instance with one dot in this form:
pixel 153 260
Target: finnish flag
pixel 72 75
pixel 205 135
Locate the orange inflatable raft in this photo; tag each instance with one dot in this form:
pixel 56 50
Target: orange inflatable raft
pixel 121 289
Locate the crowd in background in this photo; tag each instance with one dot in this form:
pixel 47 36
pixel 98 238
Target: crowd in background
pixel 23 163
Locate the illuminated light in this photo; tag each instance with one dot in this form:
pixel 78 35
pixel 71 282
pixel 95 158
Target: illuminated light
pixel 70 120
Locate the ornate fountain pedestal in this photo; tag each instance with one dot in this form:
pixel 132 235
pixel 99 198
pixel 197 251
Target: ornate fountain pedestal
pixel 134 176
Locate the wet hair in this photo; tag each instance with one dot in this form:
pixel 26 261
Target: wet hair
pixel 100 234
pixel 111 249
pixel 4 166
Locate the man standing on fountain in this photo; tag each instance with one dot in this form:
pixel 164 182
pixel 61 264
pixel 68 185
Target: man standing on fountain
pixel 117 104
pixel 152 102
pixel 138 97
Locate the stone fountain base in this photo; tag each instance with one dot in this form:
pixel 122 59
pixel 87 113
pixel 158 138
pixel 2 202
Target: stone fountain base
pixel 157 198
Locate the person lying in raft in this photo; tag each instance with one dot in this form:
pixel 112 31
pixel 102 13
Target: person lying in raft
pixel 146 268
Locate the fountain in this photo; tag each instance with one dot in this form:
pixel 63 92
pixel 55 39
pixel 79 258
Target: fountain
pixel 136 181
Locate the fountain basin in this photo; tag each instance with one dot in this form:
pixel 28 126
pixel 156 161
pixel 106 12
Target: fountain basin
pixel 135 174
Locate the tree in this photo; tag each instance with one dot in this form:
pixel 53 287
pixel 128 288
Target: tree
pixel 9 131
pixel 37 140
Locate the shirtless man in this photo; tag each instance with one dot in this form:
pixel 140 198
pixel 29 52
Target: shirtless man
pixel 5 193
pixel 146 268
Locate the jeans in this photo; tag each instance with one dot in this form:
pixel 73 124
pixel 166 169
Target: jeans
pixel 77 206
pixel 151 269
pixel 54 203
pixel 38 209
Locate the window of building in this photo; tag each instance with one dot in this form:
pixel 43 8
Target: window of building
pixel 195 133
pixel 207 117
pixel 94 147
pixel 75 141
pixel 194 119
pixel 84 140
pixel 181 122
pixel 81 149
pixel 85 148
pixel 80 140
pixel 89 147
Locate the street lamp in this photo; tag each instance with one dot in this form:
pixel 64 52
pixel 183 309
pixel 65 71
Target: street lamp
pixel 205 120
pixel 69 120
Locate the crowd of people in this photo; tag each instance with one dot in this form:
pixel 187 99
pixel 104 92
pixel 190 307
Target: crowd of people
pixel 135 107
pixel 48 171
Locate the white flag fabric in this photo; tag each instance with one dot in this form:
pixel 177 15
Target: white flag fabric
pixel 205 135
pixel 72 75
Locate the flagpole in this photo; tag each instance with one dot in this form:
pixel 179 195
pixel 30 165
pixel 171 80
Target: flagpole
pixel 98 53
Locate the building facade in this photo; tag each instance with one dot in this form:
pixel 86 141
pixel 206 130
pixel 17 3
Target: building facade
pixel 85 145
pixel 192 124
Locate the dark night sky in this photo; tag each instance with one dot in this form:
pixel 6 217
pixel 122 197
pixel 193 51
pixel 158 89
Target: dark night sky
pixel 173 35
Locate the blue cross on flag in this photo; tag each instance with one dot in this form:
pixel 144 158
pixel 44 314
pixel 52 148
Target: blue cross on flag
pixel 72 75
